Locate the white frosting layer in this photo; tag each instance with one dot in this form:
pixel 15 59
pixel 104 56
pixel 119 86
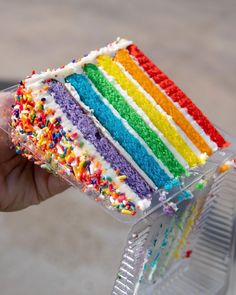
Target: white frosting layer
pixel 76 67
pixel 121 150
pixel 184 111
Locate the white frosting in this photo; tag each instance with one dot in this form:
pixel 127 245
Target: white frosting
pixel 122 151
pixel 76 67
pixel 144 204
pixel 184 111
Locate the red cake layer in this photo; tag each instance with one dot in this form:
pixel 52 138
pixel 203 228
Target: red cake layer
pixel 177 95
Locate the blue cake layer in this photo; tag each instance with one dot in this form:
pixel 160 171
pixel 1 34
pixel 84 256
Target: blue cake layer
pixel 117 129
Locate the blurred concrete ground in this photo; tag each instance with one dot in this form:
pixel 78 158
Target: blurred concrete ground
pixel 68 245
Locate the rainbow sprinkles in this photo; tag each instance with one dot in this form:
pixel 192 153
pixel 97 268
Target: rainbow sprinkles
pixel 114 123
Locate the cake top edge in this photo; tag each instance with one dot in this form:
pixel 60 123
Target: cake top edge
pixel 76 65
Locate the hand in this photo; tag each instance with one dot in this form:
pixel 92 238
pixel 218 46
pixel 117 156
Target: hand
pixel 21 182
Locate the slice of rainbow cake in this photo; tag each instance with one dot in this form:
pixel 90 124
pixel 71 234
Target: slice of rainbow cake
pixel 115 123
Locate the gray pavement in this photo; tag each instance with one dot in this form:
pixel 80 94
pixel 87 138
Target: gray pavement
pixel 68 245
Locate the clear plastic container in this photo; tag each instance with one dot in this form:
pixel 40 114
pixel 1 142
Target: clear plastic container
pixel 6 101
pixel 185 242
pixel 192 252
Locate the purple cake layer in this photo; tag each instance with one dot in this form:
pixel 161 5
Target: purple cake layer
pixel 79 118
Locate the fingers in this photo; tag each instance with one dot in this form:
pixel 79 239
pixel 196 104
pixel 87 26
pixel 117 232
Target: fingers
pixel 56 184
pixel 6 152
pixel 48 185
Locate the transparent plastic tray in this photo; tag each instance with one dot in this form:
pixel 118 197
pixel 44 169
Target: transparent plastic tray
pixel 6 102
pixel 192 252
pixel 206 171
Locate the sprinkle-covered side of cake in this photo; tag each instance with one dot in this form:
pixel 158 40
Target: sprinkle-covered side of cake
pixel 114 122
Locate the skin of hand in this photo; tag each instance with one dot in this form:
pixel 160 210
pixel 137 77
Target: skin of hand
pixel 22 183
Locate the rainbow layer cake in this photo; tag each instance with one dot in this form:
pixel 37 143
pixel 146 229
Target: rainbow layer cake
pixel 115 123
